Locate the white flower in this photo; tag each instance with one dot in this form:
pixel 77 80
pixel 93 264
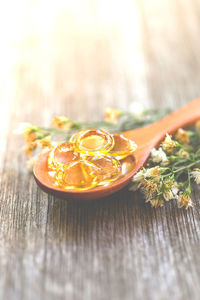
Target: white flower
pixel 196 175
pixel 138 177
pixel 171 191
pixel 152 172
pixel 168 195
pixel 22 128
pixel 137 108
pixel 137 181
pixel 168 138
pixel 168 144
pixel 158 155
pixel 175 190
pixel 184 200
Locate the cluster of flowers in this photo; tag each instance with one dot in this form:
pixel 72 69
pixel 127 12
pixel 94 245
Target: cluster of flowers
pixel 35 136
pixel 171 169
pixel 41 139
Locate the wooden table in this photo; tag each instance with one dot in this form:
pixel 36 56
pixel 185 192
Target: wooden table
pixel 119 54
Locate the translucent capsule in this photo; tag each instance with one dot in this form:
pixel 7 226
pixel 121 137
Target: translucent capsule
pixel 122 147
pixel 109 169
pixel 90 159
pixel 79 175
pixel 92 141
pixel 61 155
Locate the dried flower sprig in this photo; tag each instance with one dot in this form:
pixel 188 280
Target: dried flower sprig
pixel 62 128
pixel 171 169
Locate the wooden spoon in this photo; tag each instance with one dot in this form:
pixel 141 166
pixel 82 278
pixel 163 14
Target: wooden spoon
pixel 146 138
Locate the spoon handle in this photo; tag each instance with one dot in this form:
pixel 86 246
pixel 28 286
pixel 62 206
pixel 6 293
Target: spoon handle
pixel 184 116
pixel 153 133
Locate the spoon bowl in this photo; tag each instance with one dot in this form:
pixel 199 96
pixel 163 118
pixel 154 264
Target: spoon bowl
pixel 146 138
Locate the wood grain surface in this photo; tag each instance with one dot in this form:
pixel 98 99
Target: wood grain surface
pixel 96 54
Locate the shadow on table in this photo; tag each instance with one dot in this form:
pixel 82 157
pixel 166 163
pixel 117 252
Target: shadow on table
pixel 108 220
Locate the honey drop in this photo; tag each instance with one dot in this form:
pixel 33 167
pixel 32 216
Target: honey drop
pixel 109 169
pixel 122 147
pixel 61 155
pixel 79 175
pixel 92 141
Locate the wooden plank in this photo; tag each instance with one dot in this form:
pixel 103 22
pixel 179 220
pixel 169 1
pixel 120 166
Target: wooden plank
pixel 117 247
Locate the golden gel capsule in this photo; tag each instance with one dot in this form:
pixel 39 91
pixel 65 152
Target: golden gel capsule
pixel 122 147
pixel 109 169
pixel 79 175
pixel 61 155
pixel 92 141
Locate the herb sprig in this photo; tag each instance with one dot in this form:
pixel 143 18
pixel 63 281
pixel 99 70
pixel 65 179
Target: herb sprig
pixel 169 171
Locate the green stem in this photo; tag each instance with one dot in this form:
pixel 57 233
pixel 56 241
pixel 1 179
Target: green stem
pixel 187 167
pixel 189 181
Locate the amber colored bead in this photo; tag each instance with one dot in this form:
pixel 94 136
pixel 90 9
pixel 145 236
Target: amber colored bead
pixel 61 155
pixel 122 147
pixel 92 141
pixel 90 159
pixel 109 169
pixel 79 175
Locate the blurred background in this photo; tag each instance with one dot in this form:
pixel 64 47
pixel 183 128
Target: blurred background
pixel 76 57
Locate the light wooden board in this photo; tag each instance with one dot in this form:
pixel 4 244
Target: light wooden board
pixel 116 54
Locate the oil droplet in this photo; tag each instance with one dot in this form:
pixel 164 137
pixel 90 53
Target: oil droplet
pixel 92 141
pixel 79 175
pixel 109 168
pixel 122 147
pixel 61 155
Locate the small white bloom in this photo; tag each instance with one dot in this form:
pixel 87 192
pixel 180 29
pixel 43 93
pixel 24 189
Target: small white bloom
pixel 168 138
pixel 168 144
pixel 151 172
pixel 158 155
pixel 138 177
pixel 184 200
pixel 137 181
pixel 21 128
pixel 137 108
pixel 171 192
pixel 196 175
pixel 168 195
pixel 175 190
